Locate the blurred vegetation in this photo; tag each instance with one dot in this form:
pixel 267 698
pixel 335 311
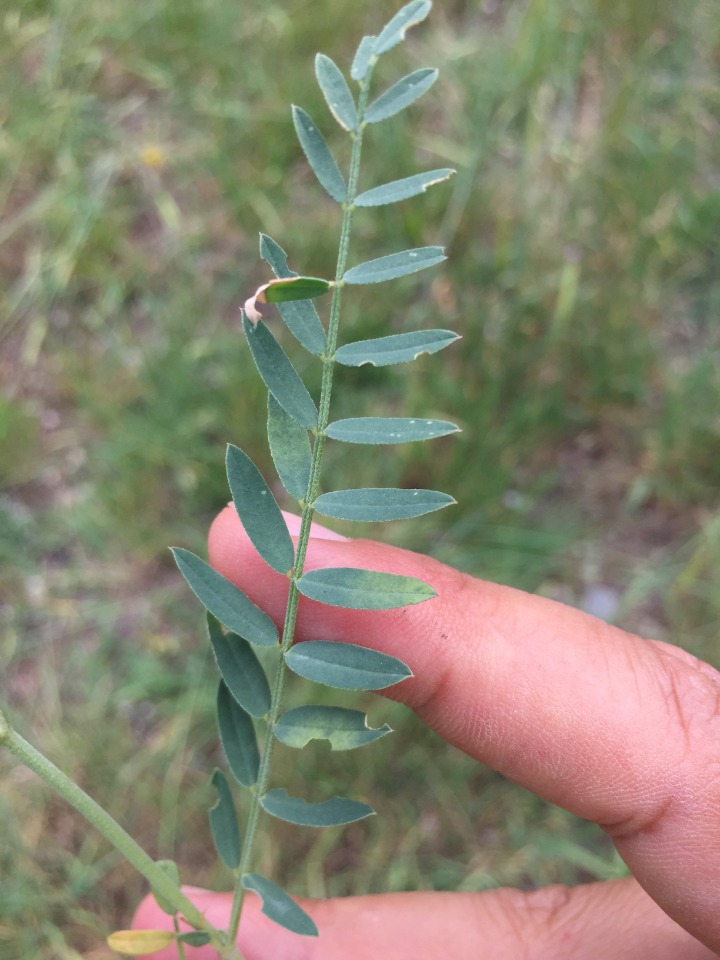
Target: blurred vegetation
pixel 143 148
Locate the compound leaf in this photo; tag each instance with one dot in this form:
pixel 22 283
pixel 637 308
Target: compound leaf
pixel 394 31
pixel 329 813
pixel 279 906
pixel 240 669
pixel 388 429
pixel 289 448
pixel 344 729
pixel 336 92
pixel 363 589
pixel 402 189
pixel 279 375
pixel 318 155
pixel 237 735
pixel 372 504
pixel 225 601
pixel 394 265
pixel 397 348
pixel 258 511
pixel 224 823
pixel 346 666
pixel 401 95
pixel 194 938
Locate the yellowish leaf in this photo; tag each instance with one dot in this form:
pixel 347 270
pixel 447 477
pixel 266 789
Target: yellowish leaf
pixel 137 943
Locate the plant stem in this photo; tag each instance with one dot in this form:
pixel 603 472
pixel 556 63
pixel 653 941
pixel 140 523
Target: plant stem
pixel 114 833
pixel 291 609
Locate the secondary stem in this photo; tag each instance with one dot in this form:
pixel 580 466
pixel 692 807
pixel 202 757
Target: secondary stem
pixel 291 609
pixel 114 833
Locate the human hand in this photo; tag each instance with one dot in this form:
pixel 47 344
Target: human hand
pixel 618 730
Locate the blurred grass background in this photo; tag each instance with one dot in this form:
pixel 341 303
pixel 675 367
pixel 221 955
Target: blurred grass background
pixel 143 147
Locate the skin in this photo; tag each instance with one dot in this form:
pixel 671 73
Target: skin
pixel 621 731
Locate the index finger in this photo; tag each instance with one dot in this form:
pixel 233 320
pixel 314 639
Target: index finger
pixel 619 730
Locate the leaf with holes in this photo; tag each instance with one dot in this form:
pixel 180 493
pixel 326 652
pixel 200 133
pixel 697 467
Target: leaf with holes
pixel 335 812
pixel 344 729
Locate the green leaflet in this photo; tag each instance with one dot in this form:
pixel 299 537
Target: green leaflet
pixel 237 735
pixel 363 589
pixel 344 729
pixel 346 666
pixel 171 869
pixel 373 504
pixel 279 906
pixel 224 824
pixel 300 316
pixel 287 289
pixel 336 92
pixel 388 429
pixel 394 32
pixel 194 938
pixel 361 61
pixel 397 348
pixel 318 155
pixel 289 448
pixel 225 601
pixel 279 375
pixel 401 95
pixel 275 257
pixel 394 265
pixel 240 669
pixel 258 511
pixel 330 813
pixel 402 189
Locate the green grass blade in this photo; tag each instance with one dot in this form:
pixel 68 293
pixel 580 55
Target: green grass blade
pixel 397 348
pixel 336 92
pixel 401 94
pixel 300 316
pixel 388 429
pixel 225 601
pixel 403 189
pixel 395 265
pixel 258 511
pixel 345 666
pixel 363 589
pixel 318 155
pixel 344 729
pixel 240 669
pixel 224 823
pixel 280 906
pixel 361 60
pixel 279 375
pixel 335 812
pixel 237 735
pixel 374 504
pixel 394 32
pixel 290 449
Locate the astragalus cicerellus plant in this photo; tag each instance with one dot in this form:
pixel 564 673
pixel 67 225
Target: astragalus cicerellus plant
pixel 250 714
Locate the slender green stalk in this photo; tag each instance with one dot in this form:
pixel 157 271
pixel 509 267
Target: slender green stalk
pixel 114 833
pixel 291 609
